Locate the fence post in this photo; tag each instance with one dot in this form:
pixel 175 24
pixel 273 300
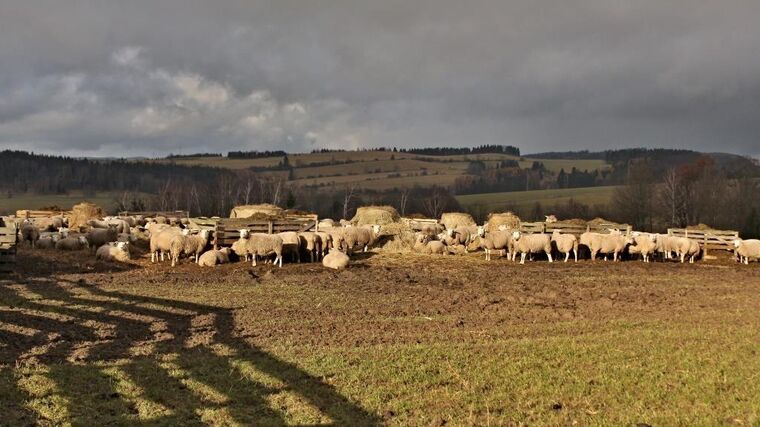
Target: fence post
pixel 704 247
pixel 269 224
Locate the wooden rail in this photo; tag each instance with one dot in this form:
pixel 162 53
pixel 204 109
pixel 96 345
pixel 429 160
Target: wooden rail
pixel 8 242
pixel 153 214
pixel 417 223
pixel 576 229
pixel 227 230
pixel 33 214
pixel 709 239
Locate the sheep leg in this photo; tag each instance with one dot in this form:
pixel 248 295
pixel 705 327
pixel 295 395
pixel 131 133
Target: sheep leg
pixel 549 254
pixel 575 252
pixel 254 260
pixel 280 257
pixel 152 257
pixel 522 258
pixel 567 255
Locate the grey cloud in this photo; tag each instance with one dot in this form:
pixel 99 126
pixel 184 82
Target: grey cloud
pixel 146 77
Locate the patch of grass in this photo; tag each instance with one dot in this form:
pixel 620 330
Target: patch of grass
pixel 526 199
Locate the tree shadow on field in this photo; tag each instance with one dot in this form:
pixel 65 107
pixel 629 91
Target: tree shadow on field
pixel 72 352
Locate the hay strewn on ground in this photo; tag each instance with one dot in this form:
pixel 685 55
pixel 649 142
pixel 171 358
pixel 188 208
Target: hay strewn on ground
pixel 247 211
pixel 82 213
pixel 371 215
pixel 601 221
pixel 699 226
pixel 497 219
pixel 455 219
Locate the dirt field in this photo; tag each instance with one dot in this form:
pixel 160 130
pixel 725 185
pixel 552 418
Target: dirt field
pixel 395 339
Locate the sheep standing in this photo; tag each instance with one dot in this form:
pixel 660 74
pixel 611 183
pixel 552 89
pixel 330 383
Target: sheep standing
pixel 191 245
pixel 261 244
pixel 240 246
pixel 336 260
pixel 644 244
pixel 530 244
pixel 746 249
pixel 310 242
pixel 693 252
pixel 30 233
pixel 160 242
pixel 495 241
pixel 118 251
pixel 613 243
pixel 325 242
pixel 364 237
pixel 291 244
pixel 565 243
pixel 214 257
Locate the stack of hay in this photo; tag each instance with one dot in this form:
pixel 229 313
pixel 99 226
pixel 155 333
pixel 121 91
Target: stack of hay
pixel 396 237
pixel 508 219
pixel 264 211
pixel 376 215
pixel 82 213
pixel 699 226
pixel 451 220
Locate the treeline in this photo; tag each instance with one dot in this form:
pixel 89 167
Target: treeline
pixel 452 151
pixel 23 172
pixel 185 156
pixel 255 154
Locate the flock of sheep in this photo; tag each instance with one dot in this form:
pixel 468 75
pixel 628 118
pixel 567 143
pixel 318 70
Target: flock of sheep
pixel 111 239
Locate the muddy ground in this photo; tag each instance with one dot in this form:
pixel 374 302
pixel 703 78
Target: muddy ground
pixel 65 308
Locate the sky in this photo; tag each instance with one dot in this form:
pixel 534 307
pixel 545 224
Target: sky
pixel 148 78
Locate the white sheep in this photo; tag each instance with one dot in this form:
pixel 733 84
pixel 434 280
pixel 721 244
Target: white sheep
pixel 160 242
pixel 240 246
pixel 311 243
pixel 531 243
pixel 291 244
pixel 48 242
pixel 30 233
pixel 214 257
pixel 100 236
pixel 495 241
pixel 364 237
pixel 264 245
pixel 115 251
pixel 644 244
pixel 613 243
pixel 565 243
pixel 336 260
pixel 463 234
pixel 325 242
pixel 72 243
pixel 746 249
pixel 693 251
pixel 191 245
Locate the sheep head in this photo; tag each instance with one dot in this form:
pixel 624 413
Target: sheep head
pixel 481 230
pixel 516 235
pixel 243 233
pixel 737 243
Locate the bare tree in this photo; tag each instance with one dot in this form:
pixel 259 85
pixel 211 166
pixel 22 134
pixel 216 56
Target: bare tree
pixel 348 195
pixel 403 201
pixel 435 203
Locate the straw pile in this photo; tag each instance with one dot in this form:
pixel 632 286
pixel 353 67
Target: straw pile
pixel 372 215
pixel 396 237
pixel 573 221
pixel 699 226
pixel 509 219
pixel 601 221
pixel 82 213
pixel 248 211
pixel 452 220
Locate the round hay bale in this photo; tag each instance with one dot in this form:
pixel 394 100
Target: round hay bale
pixel 509 219
pixel 82 213
pixel 248 211
pixel 375 215
pixel 452 220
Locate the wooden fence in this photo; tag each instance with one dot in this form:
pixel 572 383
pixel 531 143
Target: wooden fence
pixel 417 223
pixel 227 230
pixel 8 241
pixel 576 229
pixel 708 239
pixel 32 214
pixel 153 214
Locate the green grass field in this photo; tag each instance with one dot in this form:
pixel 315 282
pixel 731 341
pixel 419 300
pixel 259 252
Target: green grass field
pixel 525 199
pixel 65 201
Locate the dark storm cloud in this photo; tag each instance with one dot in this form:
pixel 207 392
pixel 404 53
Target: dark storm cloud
pixel 136 78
